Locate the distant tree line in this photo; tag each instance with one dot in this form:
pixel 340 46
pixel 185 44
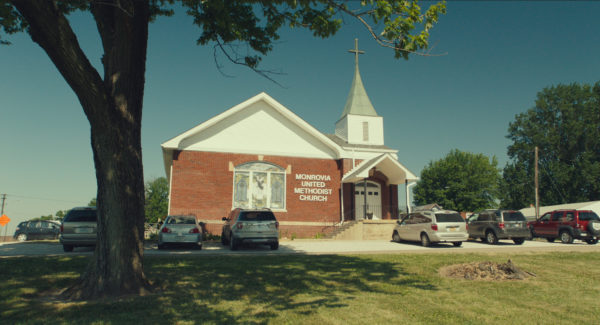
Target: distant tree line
pixel 565 126
pixel 156 206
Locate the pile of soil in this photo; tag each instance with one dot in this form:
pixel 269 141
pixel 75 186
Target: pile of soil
pixel 485 271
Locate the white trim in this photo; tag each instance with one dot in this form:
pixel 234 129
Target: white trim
pixel 362 170
pixel 175 142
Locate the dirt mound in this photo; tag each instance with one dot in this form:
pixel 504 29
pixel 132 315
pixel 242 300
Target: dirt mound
pixel 485 271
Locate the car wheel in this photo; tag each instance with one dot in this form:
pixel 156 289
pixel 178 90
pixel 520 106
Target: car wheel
pixel 22 237
pixel 425 242
pixel 550 239
pixel 233 244
pixel 68 248
pixel 565 237
pixel 519 241
pixel 274 246
pixel 457 243
pixel 396 237
pixel 491 238
pixel 592 241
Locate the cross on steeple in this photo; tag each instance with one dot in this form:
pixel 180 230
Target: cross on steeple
pixel 356 51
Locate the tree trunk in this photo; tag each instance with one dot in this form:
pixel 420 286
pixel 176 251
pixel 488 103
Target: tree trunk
pixel 113 106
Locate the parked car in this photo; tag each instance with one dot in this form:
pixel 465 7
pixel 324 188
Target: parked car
pixel 78 228
pixel 568 225
pixel 431 227
pixel 492 225
pixel 28 230
pixel 256 226
pixel 180 230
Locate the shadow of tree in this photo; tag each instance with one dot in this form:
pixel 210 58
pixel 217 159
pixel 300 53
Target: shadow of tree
pixel 207 289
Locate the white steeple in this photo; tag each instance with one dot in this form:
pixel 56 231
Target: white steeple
pixel 359 123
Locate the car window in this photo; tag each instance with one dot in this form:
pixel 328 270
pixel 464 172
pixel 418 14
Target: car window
pixel 422 219
pixel 485 217
pixel 182 220
pixel 513 216
pixel 448 217
pixel 557 216
pixel 37 224
pixel 570 216
pixel 87 215
pixel 257 216
pixel 545 217
pixel 407 220
pixel 473 217
pixel 587 216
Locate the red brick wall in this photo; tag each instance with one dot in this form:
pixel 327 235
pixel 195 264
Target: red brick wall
pixel 202 185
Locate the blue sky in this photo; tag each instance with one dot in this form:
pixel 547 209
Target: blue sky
pixel 499 55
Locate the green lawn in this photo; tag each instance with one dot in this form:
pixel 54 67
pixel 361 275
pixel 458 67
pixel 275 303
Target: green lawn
pixel 337 289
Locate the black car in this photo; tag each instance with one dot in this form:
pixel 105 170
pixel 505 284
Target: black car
pixel 28 230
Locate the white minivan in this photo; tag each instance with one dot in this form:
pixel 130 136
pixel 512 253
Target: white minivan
pixel 432 226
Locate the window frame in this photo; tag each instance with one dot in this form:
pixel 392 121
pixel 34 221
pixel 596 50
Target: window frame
pixel 247 168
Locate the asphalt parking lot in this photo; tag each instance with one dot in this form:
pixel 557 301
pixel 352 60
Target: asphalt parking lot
pixel 308 246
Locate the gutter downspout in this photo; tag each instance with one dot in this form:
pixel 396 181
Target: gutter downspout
pixel 407 189
pixel 170 186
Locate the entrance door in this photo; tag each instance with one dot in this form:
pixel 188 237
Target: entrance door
pixel 373 195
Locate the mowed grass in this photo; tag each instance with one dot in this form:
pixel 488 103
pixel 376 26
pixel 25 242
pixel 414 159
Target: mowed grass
pixel 314 289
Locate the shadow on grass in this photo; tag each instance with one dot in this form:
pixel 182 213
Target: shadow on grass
pixel 210 289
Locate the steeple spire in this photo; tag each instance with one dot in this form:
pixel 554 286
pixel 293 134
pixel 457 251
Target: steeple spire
pixel 358 102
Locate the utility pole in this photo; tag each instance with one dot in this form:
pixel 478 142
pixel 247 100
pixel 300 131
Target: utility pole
pixel 537 196
pixel 2 213
pixel 3 199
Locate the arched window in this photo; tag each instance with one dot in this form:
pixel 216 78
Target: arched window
pixel 259 185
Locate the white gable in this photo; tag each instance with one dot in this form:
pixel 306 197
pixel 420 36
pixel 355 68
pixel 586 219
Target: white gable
pixel 260 125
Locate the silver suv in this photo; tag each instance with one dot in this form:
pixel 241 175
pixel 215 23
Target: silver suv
pixel 78 228
pixel 250 226
pixel 432 226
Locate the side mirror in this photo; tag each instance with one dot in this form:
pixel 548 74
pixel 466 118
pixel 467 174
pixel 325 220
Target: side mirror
pixel 224 219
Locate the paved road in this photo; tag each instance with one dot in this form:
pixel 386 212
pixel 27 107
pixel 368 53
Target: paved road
pixel 50 248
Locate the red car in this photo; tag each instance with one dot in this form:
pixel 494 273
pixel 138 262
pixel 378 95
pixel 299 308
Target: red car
pixel 567 225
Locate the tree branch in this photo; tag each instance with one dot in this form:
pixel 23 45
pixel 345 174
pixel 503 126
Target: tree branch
pixel 49 28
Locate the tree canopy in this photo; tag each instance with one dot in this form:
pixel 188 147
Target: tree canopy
pixel 460 181
pixel 157 199
pixel 565 125
pixel 112 99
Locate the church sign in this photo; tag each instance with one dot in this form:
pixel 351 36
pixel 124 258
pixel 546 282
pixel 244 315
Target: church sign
pixel 313 187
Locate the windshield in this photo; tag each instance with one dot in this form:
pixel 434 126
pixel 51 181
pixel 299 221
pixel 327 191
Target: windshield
pixel 257 216
pixel 87 215
pixel 514 216
pixel 448 217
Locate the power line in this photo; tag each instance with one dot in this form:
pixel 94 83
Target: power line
pixel 42 199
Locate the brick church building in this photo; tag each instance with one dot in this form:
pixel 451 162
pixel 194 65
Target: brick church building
pixel 260 154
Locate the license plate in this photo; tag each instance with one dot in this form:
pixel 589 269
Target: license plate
pixel 452 228
pixel 179 238
pixel 86 230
